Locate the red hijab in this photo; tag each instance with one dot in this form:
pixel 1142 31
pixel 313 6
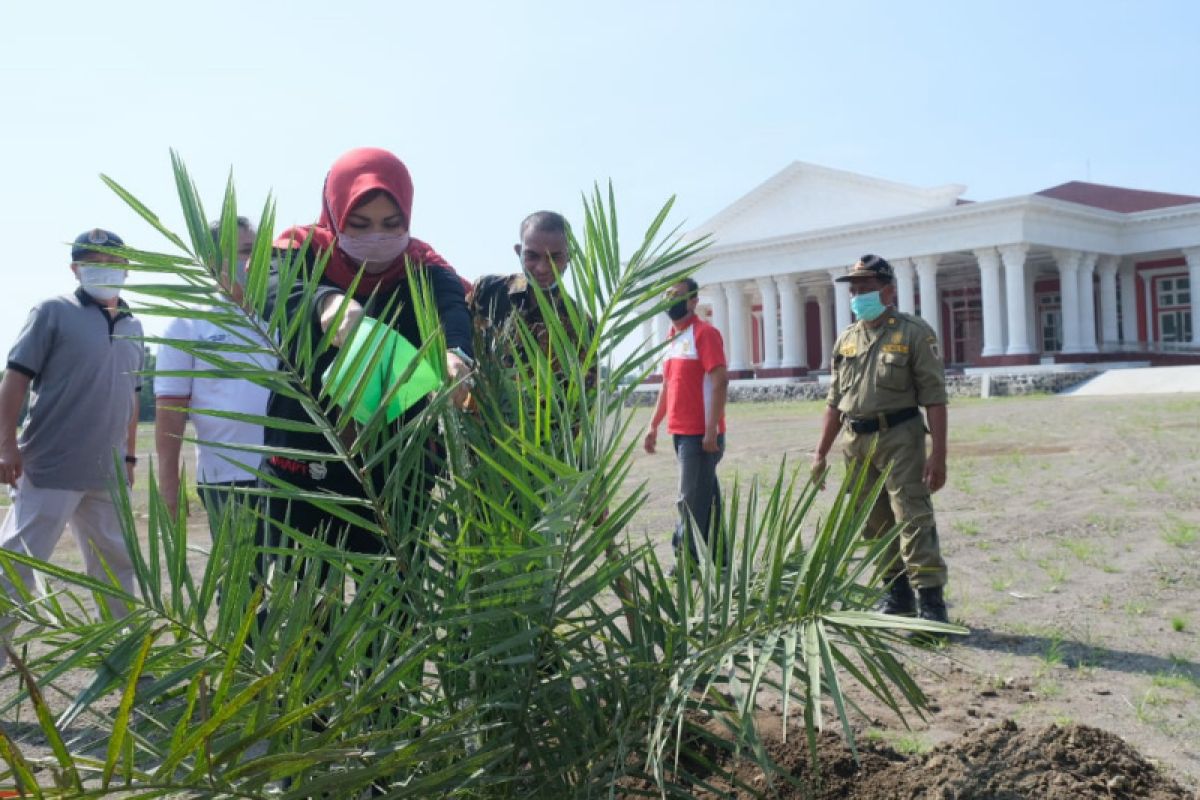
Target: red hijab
pixel 362 170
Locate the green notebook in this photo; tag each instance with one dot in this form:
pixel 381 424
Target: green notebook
pixel 344 374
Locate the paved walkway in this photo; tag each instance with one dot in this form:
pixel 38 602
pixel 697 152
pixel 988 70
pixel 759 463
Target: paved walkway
pixel 1146 380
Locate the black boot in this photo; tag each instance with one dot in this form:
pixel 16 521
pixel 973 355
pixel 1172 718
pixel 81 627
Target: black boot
pixel 899 600
pixel 932 605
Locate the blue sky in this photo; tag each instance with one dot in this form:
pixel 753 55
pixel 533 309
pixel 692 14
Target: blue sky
pixel 503 108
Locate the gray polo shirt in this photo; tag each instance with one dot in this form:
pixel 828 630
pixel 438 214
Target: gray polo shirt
pixel 84 367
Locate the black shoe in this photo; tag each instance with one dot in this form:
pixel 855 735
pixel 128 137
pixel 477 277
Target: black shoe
pixel 932 605
pixel 932 608
pixel 899 600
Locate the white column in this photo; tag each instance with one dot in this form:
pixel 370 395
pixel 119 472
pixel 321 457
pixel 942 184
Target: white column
pixel 1129 309
pixel 1002 304
pixel 1033 319
pixel 826 320
pixel 1014 285
pixel 1068 291
pixel 1107 267
pixel 802 330
pixel 1192 254
pixel 905 300
pixel 720 309
pixel 662 328
pixel 841 301
pixel 1152 337
pixel 739 327
pixel 770 323
pixel 989 295
pixel 930 303
pixel 1087 302
pixel 649 341
pixel 791 317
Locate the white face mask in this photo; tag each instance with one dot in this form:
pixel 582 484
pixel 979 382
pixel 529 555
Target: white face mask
pixel 101 282
pixel 376 249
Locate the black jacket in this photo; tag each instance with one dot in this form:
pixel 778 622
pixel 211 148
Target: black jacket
pixel 452 309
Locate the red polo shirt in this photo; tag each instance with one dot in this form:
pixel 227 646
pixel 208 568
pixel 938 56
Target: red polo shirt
pixel 692 353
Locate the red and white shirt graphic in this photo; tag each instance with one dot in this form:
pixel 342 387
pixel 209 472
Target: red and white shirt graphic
pixel 691 356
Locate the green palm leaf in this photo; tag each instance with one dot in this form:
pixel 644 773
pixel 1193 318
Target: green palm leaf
pixel 510 640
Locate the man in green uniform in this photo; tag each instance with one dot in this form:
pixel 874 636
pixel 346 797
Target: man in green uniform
pixel 885 366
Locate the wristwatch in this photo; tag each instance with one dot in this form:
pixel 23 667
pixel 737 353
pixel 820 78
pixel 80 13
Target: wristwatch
pixel 462 356
pixel 130 459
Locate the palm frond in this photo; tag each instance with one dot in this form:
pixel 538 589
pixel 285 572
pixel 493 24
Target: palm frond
pixel 508 639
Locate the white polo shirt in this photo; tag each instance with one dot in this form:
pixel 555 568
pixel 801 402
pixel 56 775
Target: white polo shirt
pixel 221 394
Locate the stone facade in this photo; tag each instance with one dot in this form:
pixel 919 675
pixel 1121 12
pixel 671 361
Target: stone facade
pixel 956 386
pixel 1018 384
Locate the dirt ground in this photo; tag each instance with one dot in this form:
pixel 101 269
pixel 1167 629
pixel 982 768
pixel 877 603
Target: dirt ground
pixel 1072 530
pixel 1071 527
pixel 997 762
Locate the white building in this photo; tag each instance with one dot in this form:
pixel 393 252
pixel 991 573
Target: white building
pixel 1078 272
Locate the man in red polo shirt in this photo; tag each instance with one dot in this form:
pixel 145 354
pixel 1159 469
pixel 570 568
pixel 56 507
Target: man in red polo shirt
pixel 692 400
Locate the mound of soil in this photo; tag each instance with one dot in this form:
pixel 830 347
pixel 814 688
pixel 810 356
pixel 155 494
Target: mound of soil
pixel 1000 762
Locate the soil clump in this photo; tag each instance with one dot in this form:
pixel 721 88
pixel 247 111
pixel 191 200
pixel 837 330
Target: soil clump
pixel 997 762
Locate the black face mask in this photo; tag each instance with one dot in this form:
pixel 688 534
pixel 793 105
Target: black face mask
pixel 678 310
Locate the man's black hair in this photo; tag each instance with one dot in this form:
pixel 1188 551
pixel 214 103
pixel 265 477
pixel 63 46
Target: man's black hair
pixel 544 222
pixel 693 287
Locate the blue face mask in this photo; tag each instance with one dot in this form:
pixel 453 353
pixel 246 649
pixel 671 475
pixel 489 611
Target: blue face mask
pixel 867 307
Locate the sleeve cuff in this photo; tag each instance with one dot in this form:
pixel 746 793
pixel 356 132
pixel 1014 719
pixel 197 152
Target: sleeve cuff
pixel 21 368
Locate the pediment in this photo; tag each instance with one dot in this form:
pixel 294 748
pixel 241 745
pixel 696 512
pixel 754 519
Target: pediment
pixel 806 197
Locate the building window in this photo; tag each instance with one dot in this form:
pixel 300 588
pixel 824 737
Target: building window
pixel 1050 322
pixel 966 330
pixel 1174 292
pixel 1173 307
pixel 756 338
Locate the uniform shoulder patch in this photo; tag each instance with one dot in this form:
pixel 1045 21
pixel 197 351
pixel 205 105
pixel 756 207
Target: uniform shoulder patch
pixel 933 346
pixel 848 348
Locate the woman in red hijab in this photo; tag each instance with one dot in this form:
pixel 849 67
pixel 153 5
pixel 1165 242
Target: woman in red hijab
pixel 366 216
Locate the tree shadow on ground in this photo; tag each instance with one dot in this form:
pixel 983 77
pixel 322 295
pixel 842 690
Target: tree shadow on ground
pixel 1074 653
pixel 82 739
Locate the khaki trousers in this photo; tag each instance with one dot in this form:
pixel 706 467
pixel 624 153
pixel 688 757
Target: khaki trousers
pixel 905 500
pixel 36 522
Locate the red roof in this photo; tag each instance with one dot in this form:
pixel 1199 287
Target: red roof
pixel 1115 198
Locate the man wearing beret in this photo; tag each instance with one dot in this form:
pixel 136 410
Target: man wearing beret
pixel 77 359
pixel 886 367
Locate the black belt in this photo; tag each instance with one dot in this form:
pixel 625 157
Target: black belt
pixel 881 421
